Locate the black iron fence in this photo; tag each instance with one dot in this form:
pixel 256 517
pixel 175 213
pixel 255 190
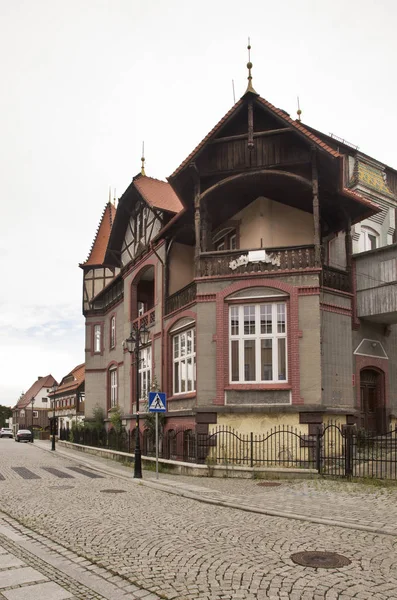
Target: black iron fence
pixel 335 450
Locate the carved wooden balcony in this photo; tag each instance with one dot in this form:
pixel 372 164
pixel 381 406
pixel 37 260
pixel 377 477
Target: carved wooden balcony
pixel 234 262
pixel 181 298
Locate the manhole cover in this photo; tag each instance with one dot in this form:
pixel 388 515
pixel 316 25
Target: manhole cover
pixel 320 560
pixel 269 484
pixel 113 491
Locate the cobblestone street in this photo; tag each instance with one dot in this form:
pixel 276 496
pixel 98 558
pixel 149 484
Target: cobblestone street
pixel 173 546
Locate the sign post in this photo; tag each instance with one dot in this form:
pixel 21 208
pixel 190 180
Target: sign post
pixel 157 404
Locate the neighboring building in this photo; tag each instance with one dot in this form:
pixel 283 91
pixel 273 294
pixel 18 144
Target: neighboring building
pixel 69 399
pixel 242 267
pixel 25 412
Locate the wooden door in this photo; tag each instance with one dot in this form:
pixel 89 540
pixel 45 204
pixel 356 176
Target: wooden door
pixel 372 403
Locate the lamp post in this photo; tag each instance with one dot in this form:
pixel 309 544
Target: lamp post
pixel 139 337
pixel 32 402
pixel 53 389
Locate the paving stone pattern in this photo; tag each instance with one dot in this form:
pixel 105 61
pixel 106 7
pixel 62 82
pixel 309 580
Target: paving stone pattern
pixel 184 549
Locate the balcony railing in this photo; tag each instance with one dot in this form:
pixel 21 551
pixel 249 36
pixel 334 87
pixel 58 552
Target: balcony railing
pixel 336 279
pixel 148 319
pixel 256 261
pixel 180 298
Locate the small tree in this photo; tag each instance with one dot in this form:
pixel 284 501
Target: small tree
pixel 99 418
pixel 116 419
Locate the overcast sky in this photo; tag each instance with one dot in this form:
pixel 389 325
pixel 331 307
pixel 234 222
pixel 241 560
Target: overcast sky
pixel 83 82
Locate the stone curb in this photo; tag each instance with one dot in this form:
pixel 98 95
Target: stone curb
pixel 164 487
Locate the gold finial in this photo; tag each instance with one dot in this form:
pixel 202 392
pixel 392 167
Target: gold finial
pixel 249 67
pixel 143 159
pixel 299 112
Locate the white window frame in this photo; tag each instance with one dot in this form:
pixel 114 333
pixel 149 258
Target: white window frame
pixel 113 387
pixel 113 331
pixel 145 372
pixel 35 414
pixel 237 312
pixel 97 339
pixel 183 351
pixel 364 242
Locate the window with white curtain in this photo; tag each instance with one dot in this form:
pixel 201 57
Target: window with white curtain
pixel 145 372
pixel 113 332
pixel 113 388
pixel 258 343
pixel 97 338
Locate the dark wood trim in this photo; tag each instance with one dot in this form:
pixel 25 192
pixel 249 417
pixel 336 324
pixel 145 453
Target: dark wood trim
pixel 256 134
pixel 316 210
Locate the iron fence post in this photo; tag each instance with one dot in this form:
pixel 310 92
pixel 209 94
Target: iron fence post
pixel 252 448
pixel 318 451
pixel 349 451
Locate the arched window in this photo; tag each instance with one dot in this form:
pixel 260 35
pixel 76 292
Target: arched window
pixel 369 239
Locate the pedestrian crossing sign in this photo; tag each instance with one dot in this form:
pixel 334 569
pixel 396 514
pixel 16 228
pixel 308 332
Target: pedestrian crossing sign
pixel 157 402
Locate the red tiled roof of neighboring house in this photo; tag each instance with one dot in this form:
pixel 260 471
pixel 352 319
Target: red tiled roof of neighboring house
pixel 78 378
pixel 277 111
pixel 42 382
pixel 158 194
pixel 99 245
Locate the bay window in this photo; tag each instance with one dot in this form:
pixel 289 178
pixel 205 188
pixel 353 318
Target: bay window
pixel 184 362
pixel 258 343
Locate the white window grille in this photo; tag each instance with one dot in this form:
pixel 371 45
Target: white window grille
pixel 258 343
pixel 184 362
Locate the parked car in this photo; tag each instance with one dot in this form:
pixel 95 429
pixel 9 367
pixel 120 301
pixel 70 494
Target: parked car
pixel 6 432
pixel 24 435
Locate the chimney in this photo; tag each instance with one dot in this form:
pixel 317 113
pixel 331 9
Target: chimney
pixel 39 377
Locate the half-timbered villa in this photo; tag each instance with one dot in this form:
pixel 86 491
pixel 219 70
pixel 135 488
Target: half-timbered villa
pixel 31 410
pixel 69 399
pixel 265 269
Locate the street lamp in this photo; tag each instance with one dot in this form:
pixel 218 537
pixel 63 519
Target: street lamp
pixel 32 402
pixel 53 390
pixel 139 337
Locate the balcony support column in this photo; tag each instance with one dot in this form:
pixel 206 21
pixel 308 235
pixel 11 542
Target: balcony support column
pixel 316 211
pixel 197 217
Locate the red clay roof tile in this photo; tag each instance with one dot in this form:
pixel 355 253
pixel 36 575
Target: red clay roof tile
pixel 99 245
pixel 78 378
pixel 158 194
pixel 42 382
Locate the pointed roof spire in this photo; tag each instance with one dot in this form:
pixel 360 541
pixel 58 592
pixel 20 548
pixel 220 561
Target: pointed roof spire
pixel 299 112
pixel 249 67
pixel 143 159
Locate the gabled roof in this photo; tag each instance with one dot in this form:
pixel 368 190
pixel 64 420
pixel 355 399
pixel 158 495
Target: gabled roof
pixel 78 374
pixel 99 245
pixel 280 114
pixel 157 193
pixel 42 382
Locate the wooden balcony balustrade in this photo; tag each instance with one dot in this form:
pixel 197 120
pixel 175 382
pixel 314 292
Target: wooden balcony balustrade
pixel 234 262
pixel 148 319
pixel 336 279
pixel 181 298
